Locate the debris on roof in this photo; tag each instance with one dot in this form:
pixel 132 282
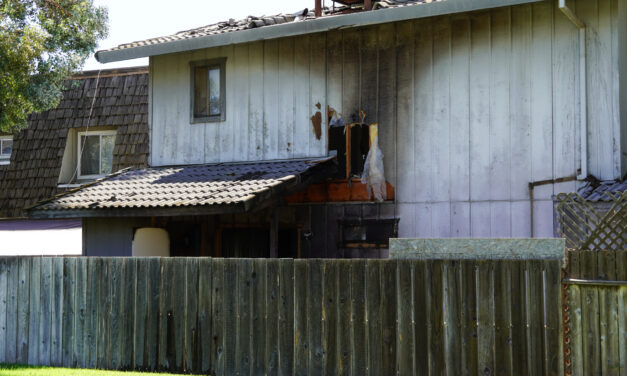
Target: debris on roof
pixel 595 191
pixel 252 22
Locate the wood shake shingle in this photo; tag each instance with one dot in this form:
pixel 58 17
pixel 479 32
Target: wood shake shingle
pixel 115 98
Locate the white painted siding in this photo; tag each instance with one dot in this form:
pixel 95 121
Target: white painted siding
pixel 272 89
pixel 471 108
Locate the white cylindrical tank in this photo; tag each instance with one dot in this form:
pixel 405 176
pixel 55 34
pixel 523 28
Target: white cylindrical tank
pixel 151 241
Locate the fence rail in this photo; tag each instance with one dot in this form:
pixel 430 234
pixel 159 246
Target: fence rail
pixel 287 317
pixel 596 315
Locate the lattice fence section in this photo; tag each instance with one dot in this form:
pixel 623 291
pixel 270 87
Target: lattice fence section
pixel 586 227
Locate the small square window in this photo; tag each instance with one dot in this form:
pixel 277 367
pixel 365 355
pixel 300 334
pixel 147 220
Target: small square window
pixel 95 154
pixel 6 147
pixel 208 91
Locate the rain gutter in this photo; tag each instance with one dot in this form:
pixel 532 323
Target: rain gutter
pixel 583 102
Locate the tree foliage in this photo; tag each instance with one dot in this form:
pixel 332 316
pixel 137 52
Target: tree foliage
pixel 42 42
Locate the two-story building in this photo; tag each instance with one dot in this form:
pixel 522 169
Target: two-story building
pixel 260 129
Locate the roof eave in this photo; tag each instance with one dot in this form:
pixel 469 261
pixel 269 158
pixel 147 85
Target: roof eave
pixel 307 27
pixel 235 208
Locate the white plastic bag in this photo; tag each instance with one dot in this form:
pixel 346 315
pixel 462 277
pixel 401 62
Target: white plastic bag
pixel 373 175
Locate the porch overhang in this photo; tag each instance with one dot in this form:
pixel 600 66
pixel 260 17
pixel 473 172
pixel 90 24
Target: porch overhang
pixel 225 188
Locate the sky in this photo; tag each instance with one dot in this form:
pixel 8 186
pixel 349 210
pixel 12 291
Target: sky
pixel 132 20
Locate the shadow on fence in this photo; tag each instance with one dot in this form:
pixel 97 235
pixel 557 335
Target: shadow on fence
pixel 287 317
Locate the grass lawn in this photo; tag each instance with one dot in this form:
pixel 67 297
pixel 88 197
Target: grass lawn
pixel 19 370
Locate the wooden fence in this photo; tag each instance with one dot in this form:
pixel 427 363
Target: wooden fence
pixel 287 317
pixel 596 312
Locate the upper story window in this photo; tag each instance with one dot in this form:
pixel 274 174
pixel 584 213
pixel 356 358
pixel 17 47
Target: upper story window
pixel 208 91
pixel 6 147
pixel 95 153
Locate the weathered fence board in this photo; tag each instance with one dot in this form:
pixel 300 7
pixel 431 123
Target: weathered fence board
pixel 12 302
pixel 596 315
pixel 293 317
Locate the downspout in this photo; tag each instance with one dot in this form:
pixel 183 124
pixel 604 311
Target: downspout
pixel 583 104
pixel 583 112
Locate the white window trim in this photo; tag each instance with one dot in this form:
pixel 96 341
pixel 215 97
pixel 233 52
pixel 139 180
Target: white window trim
pixel 79 153
pixel 5 159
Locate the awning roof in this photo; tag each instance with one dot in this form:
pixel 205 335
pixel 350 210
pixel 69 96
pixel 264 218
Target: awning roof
pixel 186 190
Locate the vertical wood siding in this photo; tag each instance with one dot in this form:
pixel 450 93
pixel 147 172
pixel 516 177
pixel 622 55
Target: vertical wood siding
pixel 471 108
pixel 285 317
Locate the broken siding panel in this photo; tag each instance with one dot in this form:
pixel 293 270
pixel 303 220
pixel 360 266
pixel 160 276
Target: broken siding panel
pixel 318 146
pixel 351 73
pixel 369 71
pixel 334 70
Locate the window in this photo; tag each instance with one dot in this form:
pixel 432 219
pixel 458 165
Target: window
pixel 95 153
pixel 208 91
pixel 6 147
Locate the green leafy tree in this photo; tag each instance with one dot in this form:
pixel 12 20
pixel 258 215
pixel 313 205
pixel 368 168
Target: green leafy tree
pixel 42 42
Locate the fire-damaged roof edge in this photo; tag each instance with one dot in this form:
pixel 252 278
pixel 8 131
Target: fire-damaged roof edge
pixel 307 27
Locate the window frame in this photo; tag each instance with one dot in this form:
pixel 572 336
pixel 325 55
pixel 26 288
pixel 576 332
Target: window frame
pixel 5 159
pixel 79 151
pixel 209 64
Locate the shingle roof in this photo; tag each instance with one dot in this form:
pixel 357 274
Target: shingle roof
pixel 252 22
pixel 598 191
pixel 211 185
pixel 121 101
